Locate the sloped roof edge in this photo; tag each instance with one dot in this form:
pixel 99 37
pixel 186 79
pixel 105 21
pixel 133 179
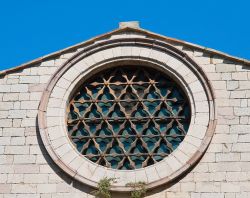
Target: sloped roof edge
pixel 119 30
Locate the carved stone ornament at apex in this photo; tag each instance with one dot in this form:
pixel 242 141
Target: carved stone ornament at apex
pixel 130 107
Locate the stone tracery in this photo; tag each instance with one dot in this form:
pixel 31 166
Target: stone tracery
pixel 128 117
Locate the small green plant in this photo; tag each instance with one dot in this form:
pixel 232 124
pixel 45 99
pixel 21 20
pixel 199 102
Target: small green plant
pixel 139 189
pixel 104 185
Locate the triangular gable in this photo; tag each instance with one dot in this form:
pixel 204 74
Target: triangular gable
pixel 127 30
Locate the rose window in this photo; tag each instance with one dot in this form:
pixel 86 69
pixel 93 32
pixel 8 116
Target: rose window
pixel 128 117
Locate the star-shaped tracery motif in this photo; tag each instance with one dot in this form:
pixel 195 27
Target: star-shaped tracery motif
pixel 128 117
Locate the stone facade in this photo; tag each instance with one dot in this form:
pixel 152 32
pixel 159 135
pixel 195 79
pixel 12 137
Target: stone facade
pixel 27 170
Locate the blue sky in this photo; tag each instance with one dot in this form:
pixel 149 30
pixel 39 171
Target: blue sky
pixel 33 28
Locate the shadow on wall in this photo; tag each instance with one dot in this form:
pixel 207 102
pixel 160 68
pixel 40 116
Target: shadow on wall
pixel 85 188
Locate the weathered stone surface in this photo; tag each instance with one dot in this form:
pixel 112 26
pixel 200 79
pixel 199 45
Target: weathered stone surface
pixel 225 67
pixel 27 170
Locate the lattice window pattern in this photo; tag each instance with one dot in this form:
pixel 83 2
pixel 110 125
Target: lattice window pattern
pixel 128 117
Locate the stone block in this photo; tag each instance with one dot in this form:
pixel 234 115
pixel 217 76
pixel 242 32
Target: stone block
pixel 225 138
pixel 209 68
pixel 5 123
pixel 173 162
pixel 63 188
pixel 37 87
pixel 244 103
pixel 245 157
pixel 54 178
pixel 208 157
pixel 17 113
pixel 6 105
pixel 214 76
pixel 31 140
pixel 152 174
pixel 48 63
pixel 30 195
pixel 10 96
pixel 207 187
pixel 203 60
pixel 35 95
pixel 239 76
pixel 5 88
pixel 226 76
pixel 225 67
pixel 241 147
pixel 140 175
pixel 19 88
pixel 201 177
pixel 1 150
pixel 24 159
pixel 46 188
pixel 225 111
pixel 23 188
pixel 224 166
pixel 15 178
pixel 32 113
pixel 28 122
pixel 244 138
pixel 45 71
pixel 230 187
pixel 36 178
pixel 3 179
pixel 144 52
pixel 238 94
pixel 240 129
pixel 24 96
pixel 222 94
pixel 196 87
pixel 59 62
pixel 219 85
pixel 236 176
pixel 108 53
pixel 6 168
pixel 244 120
pixel 222 129
pixel 227 157
pixel 232 85
pixel 218 176
pixel 244 85
pixel 44 79
pixel 230 120
pixel 35 149
pixel 6 159
pixel 4 141
pixel 242 111
pixel 26 168
pixel 29 79
pixel 5 188
pixel 42 159
pixel 29 104
pixel 58 92
pixel 4 114
pixel 45 168
pixel 177 195
pixel 13 131
pixel 188 187
pixel 212 195
pixel 17 150
pixel 71 74
pixel 63 83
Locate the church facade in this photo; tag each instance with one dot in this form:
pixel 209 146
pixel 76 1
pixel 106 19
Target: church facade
pixel 132 106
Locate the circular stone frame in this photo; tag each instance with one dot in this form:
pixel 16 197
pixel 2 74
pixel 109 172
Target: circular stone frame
pixel 127 51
